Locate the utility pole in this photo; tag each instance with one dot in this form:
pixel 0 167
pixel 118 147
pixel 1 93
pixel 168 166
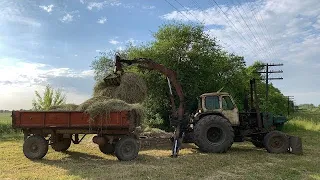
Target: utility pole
pixel 267 78
pixel 290 98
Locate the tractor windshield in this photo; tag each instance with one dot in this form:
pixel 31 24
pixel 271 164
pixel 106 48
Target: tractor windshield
pixel 212 102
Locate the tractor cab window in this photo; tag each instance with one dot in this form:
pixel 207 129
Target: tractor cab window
pixel 227 103
pixel 212 102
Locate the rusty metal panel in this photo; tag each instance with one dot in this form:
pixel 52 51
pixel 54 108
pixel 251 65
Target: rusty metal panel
pixel 56 119
pixel 32 119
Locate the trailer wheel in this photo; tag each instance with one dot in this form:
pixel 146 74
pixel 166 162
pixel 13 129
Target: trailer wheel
pixel 127 149
pixel 213 134
pixel 35 147
pixel 107 148
pixel 61 144
pixel 276 142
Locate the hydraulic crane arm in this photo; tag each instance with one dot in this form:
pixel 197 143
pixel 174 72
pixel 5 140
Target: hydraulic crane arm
pixel 177 113
pixel 170 74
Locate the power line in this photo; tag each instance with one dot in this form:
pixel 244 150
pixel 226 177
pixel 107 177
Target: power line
pixel 234 27
pixel 187 11
pixel 194 17
pixel 249 19
pixel 263 27
pixel 177 10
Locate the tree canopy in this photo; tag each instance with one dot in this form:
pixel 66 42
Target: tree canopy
pixel 202 66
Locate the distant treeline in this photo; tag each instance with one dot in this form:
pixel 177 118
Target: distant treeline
pixel 4 111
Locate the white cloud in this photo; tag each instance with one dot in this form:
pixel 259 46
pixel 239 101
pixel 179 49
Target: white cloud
pixel 101 5
pixel 112 41
pixel 82 1
pixel 148 7
pixel 102 20
pixel 19 80
pixel 287 32
pixel 286 21
pixel 67 18
pixel 13 14
pixel 76 55
pixel 27 73
pixel 47 8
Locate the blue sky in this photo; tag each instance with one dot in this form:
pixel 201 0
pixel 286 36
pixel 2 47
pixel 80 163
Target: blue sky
pixel 54 42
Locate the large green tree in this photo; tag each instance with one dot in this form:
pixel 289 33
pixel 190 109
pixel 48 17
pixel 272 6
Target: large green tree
pixel 50 98
pixel 201 65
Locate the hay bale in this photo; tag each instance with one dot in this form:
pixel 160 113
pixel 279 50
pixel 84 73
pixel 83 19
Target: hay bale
pixel 106 99
pixel 132 89
pixel 101 89
pixel 64 107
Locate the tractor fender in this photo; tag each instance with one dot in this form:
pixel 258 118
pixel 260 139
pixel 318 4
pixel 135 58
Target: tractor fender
pixel 201 115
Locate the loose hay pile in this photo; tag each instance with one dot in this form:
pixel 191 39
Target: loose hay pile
pixel 125 97
pixel 64 107
pixel 131 90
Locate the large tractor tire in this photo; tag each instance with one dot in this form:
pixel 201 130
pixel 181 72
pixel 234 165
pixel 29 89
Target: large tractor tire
pixel 61 144
pixel 35 147
pixel 127 149
pixel 276 142
pixel 214 134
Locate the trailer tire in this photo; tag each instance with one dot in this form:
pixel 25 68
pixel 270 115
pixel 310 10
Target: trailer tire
pixel 107 148
pixel 62 145
pixel 276 142
pixel 35 147
pixel 127 149
pixel 214 134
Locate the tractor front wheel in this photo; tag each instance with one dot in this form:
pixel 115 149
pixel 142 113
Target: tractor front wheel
pixel 276 142
pixel 214 134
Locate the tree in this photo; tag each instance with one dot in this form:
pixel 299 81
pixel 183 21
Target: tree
pixel 51 97
pixel 201 65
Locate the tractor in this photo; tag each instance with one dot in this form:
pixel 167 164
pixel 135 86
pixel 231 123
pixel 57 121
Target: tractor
pixel 217 122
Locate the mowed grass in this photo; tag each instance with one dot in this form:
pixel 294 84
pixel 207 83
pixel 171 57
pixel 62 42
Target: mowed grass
pixel 242 161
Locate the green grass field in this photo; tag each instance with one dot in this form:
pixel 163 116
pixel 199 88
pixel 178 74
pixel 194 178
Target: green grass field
pixel 242 161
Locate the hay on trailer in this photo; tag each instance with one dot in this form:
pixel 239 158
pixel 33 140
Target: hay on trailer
pixel 64 107
pixel 83 106
pixel 106 99
pixel 103 108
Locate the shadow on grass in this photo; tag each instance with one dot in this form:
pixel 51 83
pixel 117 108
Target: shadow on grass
pixel 89 166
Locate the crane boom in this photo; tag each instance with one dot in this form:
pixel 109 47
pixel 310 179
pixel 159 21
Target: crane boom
pixel 177 113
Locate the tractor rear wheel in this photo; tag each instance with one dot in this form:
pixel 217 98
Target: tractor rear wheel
pixel 35 147
pixel 214 134
pixel 127 149
pixel 60 144
pixel 276 142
